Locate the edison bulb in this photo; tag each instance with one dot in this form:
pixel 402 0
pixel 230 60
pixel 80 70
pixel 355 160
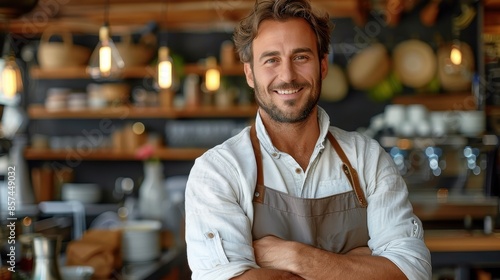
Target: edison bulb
pixel 105 59
pixel 456 55
pixel 212 75
pixel 11 78
pixel 165 68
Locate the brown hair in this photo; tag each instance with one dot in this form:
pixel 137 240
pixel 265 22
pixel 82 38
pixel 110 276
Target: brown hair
pixel 281 10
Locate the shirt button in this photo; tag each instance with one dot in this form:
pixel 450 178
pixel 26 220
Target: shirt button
pixel 298 170
pixel 257 194
pixel 275 154
pixel 210 235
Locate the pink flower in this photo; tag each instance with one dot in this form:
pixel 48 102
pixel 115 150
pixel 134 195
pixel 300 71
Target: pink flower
pixel 145 152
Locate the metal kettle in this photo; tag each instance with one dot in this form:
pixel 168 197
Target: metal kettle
pixel 46 250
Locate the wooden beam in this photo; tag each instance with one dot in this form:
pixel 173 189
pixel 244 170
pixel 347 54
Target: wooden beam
pixel 176 15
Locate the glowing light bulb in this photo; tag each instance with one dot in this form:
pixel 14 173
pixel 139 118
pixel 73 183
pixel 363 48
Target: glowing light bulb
pixel 165 68
pixel 11 78
pixel 105 62
pixel 9 82
pixel 212 75
pixel 456 55
pixel 105 59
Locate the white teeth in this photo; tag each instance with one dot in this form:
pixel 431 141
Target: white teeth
pixel 287 91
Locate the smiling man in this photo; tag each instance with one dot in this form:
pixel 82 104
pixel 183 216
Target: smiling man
pixel 292 197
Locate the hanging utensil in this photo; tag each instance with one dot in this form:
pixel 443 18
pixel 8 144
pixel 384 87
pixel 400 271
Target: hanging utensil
pixel 466 17
pixel 393 11
pixel 429 14
pixel 414 63
pixel 369 67
pixel 335 86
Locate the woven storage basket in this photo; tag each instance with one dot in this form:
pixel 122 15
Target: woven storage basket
pixel 137 54
pixel 61 54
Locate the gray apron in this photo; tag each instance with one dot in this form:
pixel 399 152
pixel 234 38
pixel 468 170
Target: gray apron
pixel 335 223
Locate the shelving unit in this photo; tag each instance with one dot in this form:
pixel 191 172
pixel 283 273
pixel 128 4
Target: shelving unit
pixel 81 73
pixel 491 17
pixel 172 154
pixel 124 112
pixel 440 102
pixel 489 41
pixel 130 72
pixel 80 16
pixel 38 112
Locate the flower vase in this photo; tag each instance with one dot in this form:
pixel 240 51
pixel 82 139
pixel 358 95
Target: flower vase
pixel 152 191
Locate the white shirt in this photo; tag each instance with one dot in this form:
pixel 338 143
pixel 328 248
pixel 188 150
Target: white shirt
pixel 221 184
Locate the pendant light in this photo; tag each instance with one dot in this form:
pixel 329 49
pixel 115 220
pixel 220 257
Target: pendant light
pixel 212 75
pixel 458 23
pixel 165 68
pixel 165 62
pixel 11 81
pixel 105 62
pixel 455 48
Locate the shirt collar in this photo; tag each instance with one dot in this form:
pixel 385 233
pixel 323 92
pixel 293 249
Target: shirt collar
pixel 265 140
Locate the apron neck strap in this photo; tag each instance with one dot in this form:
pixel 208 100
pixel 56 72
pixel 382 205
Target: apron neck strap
pixel 259 188
pixel 258 155
pixel 350 172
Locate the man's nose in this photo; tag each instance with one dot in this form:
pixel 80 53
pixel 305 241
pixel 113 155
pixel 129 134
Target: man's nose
pixel 287 71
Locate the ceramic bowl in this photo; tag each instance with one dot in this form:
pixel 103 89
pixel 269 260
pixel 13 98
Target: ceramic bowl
pixel 141 240
pixel 76 272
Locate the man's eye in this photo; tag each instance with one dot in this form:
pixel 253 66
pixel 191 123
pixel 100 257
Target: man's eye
pixel 301 57
pixel 271 60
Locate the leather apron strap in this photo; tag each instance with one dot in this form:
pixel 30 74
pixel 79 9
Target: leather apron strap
pixel 350 172
pixel 259 188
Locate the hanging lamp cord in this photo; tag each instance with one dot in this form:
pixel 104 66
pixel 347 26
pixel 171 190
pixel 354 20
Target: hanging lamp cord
pixel 163 37
pixel 7 45
pixel 106 13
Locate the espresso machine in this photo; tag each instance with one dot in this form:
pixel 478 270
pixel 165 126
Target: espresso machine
pixel 452 180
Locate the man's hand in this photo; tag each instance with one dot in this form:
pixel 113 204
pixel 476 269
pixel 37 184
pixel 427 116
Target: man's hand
pixel 272 255
pixel 271 252
pixel 312 263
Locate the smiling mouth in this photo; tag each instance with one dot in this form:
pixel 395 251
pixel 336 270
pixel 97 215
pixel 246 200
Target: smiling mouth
pixel 287 92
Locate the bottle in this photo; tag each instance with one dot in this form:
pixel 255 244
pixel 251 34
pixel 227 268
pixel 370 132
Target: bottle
pixel 46 250
pixel 23 192
pixel 152 191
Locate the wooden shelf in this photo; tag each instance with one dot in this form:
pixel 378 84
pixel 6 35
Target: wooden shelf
pixel 81 73
pixel 440 102
pixel 131 72
pixel 461 241
pixel 492 110
pixel 126 112
pixel 233 70
pixel 111 155
pixel 492 3
pixel 128 15
pixel 494 30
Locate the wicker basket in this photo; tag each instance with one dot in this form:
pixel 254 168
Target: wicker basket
pixel 61 54
pixel 137 54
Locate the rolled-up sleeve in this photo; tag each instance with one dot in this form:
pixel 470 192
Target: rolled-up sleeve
pixel 218 230
pixel 395 232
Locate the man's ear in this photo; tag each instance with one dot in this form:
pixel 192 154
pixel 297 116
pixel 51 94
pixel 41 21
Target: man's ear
pixel 324 66
pixel 249 74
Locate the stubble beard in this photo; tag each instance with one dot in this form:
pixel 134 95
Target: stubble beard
pixel 281 116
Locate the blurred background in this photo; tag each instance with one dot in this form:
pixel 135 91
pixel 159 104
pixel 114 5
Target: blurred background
pixel 105 104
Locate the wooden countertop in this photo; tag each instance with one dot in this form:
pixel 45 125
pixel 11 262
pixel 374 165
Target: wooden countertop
pixel 461 241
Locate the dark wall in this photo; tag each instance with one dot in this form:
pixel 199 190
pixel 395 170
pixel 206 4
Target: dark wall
pixel 351 113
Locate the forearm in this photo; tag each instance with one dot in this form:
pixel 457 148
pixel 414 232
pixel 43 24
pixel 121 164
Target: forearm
pixel 264 273
pixel 311 263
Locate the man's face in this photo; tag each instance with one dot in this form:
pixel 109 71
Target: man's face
pixel 287 72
